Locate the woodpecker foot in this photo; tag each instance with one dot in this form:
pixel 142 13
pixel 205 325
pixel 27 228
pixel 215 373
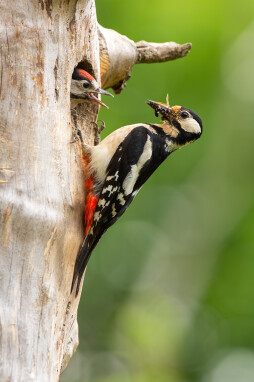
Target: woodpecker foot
pixel 77 135
pixel 86 149
pixel 103 125
pixel 98 131
pixel 76 131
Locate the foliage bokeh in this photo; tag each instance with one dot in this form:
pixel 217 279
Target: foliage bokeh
pixel 169 292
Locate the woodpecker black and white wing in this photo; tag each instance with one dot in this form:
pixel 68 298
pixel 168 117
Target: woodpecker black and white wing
pixel 135 159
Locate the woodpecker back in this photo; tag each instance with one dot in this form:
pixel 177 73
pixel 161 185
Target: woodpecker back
pixel 119 166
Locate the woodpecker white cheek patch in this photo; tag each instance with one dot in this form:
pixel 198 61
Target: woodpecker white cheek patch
pixel 191 125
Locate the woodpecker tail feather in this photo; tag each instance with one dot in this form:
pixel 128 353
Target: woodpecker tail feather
pixel 80 265
pixel 83 257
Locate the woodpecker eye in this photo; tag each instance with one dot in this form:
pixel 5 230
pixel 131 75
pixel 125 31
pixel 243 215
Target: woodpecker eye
pixel 86 84
pixel 184 114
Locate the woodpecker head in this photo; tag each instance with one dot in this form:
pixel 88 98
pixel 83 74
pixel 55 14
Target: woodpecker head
pixel 84 88
pixel 186 124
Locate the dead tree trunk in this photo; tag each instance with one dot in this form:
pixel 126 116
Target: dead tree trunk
pixel 41 182
pixel 41 200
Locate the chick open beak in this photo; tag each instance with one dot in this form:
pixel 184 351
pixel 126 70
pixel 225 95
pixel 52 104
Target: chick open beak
pixel 102 91
pixel 93 98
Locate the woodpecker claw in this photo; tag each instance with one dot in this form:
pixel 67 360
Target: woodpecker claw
pixel 98 131
pixel 77 135
pixel 103 125
pixel 76 138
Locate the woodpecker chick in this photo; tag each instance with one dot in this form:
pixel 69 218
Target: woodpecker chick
pixel 118 167
pixel 84 89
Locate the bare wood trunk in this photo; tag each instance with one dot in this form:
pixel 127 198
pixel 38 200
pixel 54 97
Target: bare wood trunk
pixel 40 182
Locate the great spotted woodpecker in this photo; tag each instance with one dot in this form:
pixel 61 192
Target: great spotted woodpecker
pixel 118 167
pixel 84 88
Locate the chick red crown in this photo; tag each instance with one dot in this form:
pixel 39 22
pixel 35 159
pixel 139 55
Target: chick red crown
pixel 79 74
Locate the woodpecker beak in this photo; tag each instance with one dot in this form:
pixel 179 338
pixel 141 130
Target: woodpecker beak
pixel 102 91
pixel 161 108
pixel 92 96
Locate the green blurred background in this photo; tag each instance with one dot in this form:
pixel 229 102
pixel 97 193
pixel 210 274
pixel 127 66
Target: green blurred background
pixel 169 291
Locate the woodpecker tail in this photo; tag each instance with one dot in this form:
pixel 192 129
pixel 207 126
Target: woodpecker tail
pixel 80 265
pixel 83 257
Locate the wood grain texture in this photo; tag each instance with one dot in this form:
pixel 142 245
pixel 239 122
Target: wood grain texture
pixel 41 182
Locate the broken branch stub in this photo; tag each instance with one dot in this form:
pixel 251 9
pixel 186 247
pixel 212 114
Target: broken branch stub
pixel 118 55
pixel 150 52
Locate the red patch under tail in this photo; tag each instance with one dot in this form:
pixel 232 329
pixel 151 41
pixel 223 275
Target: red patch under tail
pixel 91 198
pixel 91 203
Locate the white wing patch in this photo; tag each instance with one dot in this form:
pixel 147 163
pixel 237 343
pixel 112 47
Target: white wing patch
pixel 109 188
pixel 121 199
pixel 97 216
pixel 132 176
pixel 115 176
pixel 113 210
pixel 102 202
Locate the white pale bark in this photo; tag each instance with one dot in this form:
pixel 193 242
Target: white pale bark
pixel 41 186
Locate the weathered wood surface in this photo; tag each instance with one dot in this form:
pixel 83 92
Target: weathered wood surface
pixel 41 189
